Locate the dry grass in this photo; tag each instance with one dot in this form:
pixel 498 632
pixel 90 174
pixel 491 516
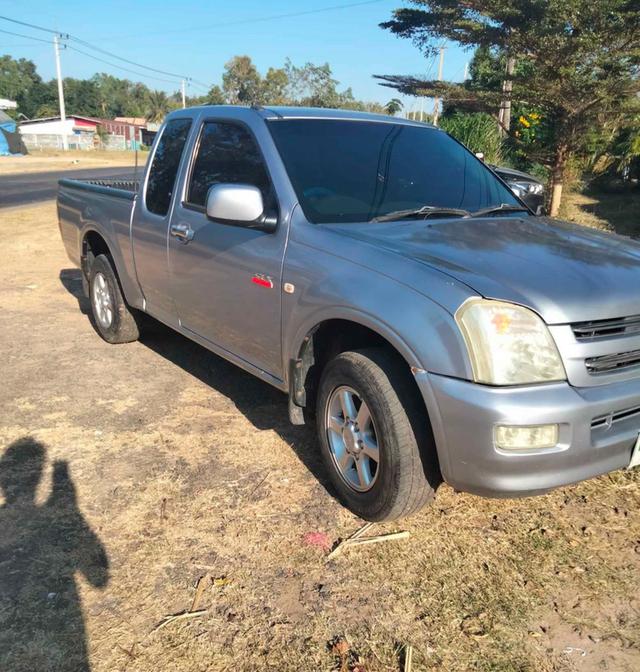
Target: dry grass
pixel 619 213
pixel 72 160
pixel 184 467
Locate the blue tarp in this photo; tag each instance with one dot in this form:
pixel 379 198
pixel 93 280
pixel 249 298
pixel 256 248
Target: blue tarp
pixel 10 140
pixel 8 127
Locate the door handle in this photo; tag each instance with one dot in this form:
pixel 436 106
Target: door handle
pixel 183 232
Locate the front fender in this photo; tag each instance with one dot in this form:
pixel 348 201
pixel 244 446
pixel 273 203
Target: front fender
pixel 331 287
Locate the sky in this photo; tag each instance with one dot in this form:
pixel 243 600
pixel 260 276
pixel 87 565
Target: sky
pixel 195 39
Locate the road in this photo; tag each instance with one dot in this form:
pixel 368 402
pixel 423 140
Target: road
pixel 31 188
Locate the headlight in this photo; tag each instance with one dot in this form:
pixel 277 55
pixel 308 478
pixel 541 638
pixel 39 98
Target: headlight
pixel 524 188
pixel 508 344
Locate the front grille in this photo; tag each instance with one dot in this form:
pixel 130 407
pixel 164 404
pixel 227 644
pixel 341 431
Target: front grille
pixel 612 418
pixel 604 328
pixel 615 362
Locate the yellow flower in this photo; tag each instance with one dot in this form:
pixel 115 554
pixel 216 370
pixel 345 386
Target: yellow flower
pixel 534 116
pixel 524 121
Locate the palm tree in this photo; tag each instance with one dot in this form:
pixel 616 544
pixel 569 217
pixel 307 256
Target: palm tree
pixel 158 106
pixel 393 106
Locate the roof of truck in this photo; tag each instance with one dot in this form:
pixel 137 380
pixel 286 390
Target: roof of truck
pixel 326 113
pixel 281 112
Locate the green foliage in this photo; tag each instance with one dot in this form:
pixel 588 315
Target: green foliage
pixel 106 96
pixel 393 106
pixel 577 64
pixel 241 83
pixel 314 86
pixel 215 96
pixel 478 132
pixel 274 87
pixel 157 107
pixel 19 81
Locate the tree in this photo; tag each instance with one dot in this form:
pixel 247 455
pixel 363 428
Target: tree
pixel 19 81
pixel 158 106
pixel 215 96
pixel 241 81
pixel 577 64
pixel 81 97
pixel 393 106
pixel 314 86
pixel 273 88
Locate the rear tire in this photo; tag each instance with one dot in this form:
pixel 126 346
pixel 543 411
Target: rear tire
pixel 113 319
pixel 390 422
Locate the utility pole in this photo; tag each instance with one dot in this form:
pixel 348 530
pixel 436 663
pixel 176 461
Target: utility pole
pixel 504 116
pixel 63 115
pixel 184 96
pixel 466 71
pixel 436 100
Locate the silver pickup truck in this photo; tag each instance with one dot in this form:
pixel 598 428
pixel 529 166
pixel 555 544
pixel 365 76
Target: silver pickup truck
pixel 384 278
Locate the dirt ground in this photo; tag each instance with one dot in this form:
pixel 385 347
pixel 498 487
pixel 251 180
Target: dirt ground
pixel 131 474
pixel 46 161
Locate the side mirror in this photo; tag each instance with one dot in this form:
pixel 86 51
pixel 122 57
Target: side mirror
pixel 480 155
pixel 239 205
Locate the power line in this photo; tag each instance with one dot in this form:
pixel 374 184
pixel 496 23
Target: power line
pixel 32 25
pixel 121 67
pixel 91 46
pixel 125 60
pixel 84 53
pixel 259 19
pixel 28 37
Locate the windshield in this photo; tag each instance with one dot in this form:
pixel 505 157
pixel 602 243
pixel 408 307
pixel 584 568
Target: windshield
pixel 354 171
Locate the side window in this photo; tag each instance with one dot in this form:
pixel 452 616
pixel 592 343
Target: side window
pixel 163 171
pixel 226 153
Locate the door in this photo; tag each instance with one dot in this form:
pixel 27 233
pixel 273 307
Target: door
pixel 225 279
pixel 151 220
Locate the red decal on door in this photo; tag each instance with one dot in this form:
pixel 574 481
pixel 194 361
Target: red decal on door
pixel 262 281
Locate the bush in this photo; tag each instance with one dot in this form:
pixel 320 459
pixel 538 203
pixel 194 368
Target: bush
pixel 478 132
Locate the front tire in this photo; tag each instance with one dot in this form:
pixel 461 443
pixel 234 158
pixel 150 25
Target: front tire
pixel 113 319
pixel 375 436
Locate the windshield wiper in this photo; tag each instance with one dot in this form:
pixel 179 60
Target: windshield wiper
pixel 503 207
pixel 425 211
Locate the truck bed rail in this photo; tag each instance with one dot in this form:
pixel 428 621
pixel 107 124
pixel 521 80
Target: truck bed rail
pixel 116 187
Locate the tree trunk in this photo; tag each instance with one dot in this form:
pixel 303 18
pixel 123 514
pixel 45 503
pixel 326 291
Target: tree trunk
pixel 557 180
pixel 504 116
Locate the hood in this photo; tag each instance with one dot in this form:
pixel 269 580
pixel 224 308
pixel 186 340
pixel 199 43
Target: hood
pixel 565 272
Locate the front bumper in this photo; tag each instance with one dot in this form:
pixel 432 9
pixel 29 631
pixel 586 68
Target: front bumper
pixel 463 416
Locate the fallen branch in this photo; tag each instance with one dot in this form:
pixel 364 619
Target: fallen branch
pixel 179 617
pixel 380 537
pixel 358 539
pixel 358 533
pixel 200 588
pixel 408 658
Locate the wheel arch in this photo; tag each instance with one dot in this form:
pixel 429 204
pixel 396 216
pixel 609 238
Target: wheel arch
pixel 93 244
pixel 317 343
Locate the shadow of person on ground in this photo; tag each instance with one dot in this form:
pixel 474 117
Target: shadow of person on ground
pixel 42 547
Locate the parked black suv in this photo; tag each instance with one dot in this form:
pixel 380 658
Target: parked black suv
pixel 523 185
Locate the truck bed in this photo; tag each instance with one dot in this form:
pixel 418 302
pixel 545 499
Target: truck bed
pixel 103 207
